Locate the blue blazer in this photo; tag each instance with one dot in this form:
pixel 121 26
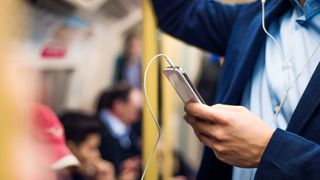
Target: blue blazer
pixel 235 32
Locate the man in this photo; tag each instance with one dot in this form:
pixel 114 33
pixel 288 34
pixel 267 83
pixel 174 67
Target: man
pixel 282 139
pixel 83 139
pixel 118 109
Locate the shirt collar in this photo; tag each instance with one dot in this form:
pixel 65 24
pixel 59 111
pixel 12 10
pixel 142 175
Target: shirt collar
pixel 305 13
pixel 117 127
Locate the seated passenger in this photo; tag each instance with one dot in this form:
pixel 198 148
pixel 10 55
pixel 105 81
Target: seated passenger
pixel 118 109
pixel 83 139
pixel 49 132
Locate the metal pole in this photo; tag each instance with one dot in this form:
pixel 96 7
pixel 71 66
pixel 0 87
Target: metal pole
pixel 149 128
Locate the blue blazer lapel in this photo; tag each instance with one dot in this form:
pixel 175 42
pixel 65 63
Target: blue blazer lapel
pixel 307 105
pixel 246 60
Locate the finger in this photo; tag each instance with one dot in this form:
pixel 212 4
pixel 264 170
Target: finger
pixel 210 130
pixel 195 124
pixel 191 121
pixel 206 128
pixel 211 142
pixel 186 116
pixel 225 107
pixel 204 112
pixel 228 108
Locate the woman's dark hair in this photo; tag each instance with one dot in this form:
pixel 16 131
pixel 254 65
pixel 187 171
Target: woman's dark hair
pixel 107 98
pixel 127 43
pixel 78 126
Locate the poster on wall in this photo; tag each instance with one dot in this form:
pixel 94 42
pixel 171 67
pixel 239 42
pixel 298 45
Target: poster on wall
pixel 63 37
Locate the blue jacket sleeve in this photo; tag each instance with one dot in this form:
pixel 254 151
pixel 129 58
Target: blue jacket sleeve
pixel 289 156
pixel 204 23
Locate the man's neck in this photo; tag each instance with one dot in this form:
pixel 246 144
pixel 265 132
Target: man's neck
pixel 302 2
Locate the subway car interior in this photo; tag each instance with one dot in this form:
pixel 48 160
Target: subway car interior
pixel 76 99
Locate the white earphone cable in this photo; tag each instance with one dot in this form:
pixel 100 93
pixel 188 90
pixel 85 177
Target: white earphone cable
pixel 263 2
pixel 266 31
pixel 285 60
pixel 150 108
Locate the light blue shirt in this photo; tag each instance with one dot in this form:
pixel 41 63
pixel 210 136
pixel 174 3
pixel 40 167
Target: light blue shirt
pixel 117 128
pixel 298 33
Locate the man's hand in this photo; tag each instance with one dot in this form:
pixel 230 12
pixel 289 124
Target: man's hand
pixel 105 170
pixel 236 135
pixel 130 168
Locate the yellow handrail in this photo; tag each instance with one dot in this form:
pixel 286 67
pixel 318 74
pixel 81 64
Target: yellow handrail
pixel 168 112
pixel 8 105
pixel 149 128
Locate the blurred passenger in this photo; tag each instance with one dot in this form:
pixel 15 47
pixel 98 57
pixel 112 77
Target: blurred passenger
pixel 118 109
pixel 181 169
pixel 50 133
pixel 209 76
pixel 128 65
pixel 83 138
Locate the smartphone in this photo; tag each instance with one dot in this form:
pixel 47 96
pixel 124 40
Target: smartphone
pixel 182 84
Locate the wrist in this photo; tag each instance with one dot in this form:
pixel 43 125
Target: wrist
pixel 265 139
